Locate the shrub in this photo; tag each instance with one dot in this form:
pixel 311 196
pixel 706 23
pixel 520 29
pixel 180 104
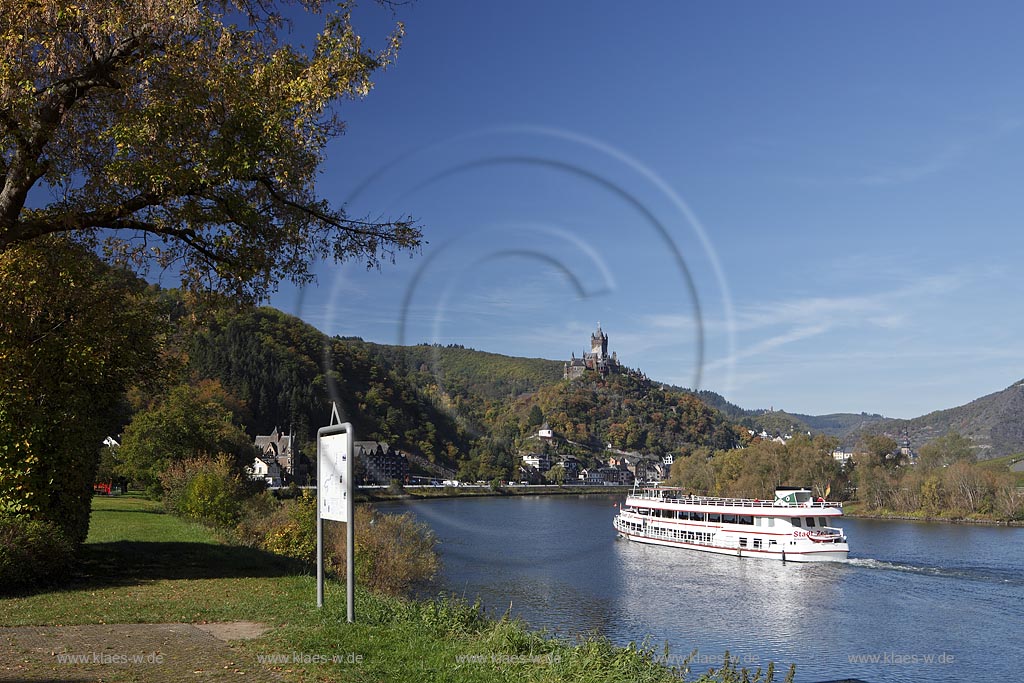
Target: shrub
pixel 254 514
pixel 209 490
pixel 290 530
pixel 32 553
pixel 393 553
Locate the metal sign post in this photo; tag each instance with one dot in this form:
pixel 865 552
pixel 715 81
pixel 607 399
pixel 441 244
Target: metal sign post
pixel 334 490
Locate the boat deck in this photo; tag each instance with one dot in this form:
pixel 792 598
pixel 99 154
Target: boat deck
pixel 678 496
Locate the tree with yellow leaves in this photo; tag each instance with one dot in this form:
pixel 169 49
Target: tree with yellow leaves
pixel 184 133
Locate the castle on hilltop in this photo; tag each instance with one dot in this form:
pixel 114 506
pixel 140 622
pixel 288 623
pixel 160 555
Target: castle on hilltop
pixel 597 359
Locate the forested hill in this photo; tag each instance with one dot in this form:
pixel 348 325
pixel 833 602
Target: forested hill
pixel 479 373
pixel 459 407
pixel 287 372
pixel 476 410
pixel 632 413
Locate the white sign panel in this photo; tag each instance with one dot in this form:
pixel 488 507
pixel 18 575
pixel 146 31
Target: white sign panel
pixel 334 475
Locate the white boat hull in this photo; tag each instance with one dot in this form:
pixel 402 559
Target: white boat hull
pixel 834 554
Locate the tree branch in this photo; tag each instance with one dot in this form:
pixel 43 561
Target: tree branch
pixel 377 230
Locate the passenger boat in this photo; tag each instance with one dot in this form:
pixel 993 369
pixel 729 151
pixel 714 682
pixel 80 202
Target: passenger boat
pixel 794 526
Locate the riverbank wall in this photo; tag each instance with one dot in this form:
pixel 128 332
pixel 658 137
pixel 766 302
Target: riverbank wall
pixel 373 495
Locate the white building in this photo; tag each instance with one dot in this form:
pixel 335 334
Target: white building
pixel 538 461
pixel 842 457
pixel 265 469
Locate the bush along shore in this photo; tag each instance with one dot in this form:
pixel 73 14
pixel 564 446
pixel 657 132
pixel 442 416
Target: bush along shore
pixel 142 565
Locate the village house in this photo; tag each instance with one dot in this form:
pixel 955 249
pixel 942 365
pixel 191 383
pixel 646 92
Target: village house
pixel 278 447
pixel 266 469
pixel 276 462
pixel 616 475
pixel 571 466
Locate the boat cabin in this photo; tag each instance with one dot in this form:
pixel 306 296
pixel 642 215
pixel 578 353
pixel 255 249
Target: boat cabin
pixel 793 496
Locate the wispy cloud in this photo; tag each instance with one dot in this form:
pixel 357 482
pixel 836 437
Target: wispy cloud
pixel 769 344
pixel 945 156
pixel 898 173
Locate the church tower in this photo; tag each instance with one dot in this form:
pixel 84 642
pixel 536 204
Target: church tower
pixel 599 343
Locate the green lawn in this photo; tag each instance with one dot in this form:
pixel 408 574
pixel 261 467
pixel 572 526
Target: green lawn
pixel 141 565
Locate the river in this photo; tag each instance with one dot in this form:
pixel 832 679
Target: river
pixel 915 602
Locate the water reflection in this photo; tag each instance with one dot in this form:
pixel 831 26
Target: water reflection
pixel 717 602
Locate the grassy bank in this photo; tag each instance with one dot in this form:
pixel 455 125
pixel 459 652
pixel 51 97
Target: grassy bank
pixel 860 510
pixel 143 566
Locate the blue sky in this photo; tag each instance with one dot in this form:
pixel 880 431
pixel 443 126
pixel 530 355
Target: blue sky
pixel 810 206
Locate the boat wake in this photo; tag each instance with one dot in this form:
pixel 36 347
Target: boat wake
pixel 975 573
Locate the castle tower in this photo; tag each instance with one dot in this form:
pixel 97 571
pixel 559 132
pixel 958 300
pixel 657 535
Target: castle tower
pixel 599 343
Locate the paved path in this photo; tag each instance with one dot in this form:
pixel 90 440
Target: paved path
pixel 131 652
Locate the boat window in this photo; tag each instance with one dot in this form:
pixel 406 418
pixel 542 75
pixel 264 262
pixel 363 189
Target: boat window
pixel 728 519
pixel 757 521
pixel 745 519
pixel 822 521
pixel 810 521
pixel 796 521
pixel 714 518
pixel 743 541
pixel 771 542
pixel 757 543
pixel 771 521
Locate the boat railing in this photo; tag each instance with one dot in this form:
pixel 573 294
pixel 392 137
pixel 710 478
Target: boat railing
pixel 670 496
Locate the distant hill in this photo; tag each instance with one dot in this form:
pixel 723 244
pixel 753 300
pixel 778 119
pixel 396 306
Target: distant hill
pixel 772 421
pixel 841 425
pixel 995 423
